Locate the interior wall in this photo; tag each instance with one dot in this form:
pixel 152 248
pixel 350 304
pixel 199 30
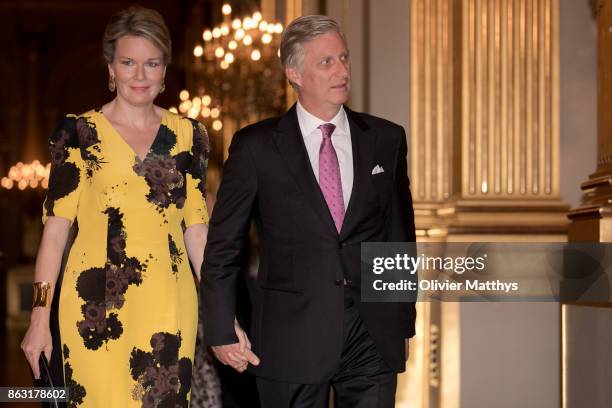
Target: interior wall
pixel 510 355
pixel 589 368
pixel 389 61
pixel 578 101
pixel 378 35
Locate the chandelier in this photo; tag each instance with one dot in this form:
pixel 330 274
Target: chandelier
pixel 236 77
pixel 31 175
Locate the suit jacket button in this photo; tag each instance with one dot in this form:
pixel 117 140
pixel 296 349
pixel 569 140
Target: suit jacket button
pixel 338 282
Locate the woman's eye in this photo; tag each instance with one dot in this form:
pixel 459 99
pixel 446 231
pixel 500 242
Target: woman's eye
pixel 153 64
pixel 126 62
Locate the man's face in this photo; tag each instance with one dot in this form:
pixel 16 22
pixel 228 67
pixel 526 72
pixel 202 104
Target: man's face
pixel 325 79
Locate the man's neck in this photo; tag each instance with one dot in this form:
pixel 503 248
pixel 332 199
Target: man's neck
pixel 323 113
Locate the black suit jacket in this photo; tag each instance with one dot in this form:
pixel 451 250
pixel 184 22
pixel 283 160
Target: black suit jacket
pixel 298 306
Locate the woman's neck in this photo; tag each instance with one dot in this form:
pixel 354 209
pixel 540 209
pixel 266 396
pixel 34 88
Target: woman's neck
pixel 126 114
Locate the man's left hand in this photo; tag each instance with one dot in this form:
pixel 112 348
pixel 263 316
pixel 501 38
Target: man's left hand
pixel 237 355
pixel 407 345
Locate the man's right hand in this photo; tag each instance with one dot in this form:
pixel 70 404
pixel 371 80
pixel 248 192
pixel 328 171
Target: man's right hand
pixel 237 355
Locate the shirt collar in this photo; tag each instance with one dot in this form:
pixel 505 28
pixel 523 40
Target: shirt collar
pixel 309 122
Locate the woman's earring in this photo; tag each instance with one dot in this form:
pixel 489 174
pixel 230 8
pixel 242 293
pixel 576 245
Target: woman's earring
pixel 111 83
pixel 162 87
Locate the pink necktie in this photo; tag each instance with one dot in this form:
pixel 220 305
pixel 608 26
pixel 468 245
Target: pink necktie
pixel 329 176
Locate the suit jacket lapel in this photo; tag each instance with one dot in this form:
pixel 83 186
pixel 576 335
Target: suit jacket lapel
pixel 290 143
pixel 363 143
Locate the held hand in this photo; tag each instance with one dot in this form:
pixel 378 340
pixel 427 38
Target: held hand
pixel 407 349
pixel 37 339
pixel 237 355
pixel 243 340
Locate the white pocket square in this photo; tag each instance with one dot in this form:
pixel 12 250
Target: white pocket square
pixel 378 169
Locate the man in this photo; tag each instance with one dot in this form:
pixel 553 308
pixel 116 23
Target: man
pixel 318 182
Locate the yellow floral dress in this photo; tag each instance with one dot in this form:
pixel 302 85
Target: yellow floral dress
pixel 128 302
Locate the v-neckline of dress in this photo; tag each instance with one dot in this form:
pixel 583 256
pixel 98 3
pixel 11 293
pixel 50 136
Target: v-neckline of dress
pixel 130 148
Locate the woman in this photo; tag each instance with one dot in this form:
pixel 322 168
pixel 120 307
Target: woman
pixel 132 176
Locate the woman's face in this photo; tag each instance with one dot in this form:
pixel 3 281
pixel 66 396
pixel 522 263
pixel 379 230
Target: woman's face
pixel 138 69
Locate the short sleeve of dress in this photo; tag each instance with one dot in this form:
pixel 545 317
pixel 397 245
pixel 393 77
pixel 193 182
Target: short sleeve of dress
pixel 67 171
pixel 195 210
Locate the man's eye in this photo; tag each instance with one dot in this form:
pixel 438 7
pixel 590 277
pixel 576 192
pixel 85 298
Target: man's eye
pixel 325 61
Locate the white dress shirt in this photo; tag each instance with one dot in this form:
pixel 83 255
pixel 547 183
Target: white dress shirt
pixel 341 140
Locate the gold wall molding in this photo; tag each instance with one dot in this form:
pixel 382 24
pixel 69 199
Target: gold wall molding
pixel 485 117
pixel 485 161
pixel 431 73
pixel 509 98
pixel 592 221
pixel 604 79
pixel 597 5
pixel 432 114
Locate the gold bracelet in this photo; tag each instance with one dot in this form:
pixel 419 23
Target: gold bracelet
pixel 41 295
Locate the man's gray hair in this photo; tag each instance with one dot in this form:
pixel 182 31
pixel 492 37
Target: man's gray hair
pixel 300 31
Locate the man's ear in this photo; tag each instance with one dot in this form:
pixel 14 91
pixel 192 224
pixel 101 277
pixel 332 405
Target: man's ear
pixel 294 75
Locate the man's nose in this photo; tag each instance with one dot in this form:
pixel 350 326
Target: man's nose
pixel 343 68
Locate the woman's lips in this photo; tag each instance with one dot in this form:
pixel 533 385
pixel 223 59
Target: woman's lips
pixel 139 88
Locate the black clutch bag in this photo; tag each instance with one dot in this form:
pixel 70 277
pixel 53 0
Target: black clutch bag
pixel 46 380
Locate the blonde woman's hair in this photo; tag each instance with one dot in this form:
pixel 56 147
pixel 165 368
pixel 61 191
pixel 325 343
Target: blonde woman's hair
pixel 139 22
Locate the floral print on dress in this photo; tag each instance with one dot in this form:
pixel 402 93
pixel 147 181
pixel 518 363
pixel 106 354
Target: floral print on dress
pixel 162 172
pixel 199 154
pixel 98 328
pixel 104 288
pixel 76 392
pixel 164 179
pixel 164 141
pixel 64 177
pixel 176 255
pixel 165 174
pixel 72 133
pixel 88 138
pixel 163 380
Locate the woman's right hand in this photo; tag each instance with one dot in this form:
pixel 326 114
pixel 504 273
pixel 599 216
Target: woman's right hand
pixel 38 338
